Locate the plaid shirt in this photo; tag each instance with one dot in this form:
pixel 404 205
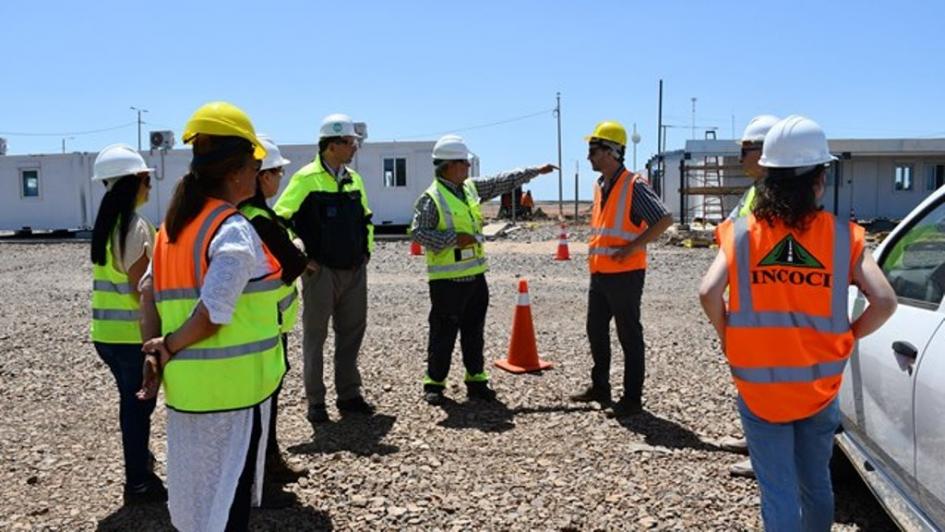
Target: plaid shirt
pixel 426 217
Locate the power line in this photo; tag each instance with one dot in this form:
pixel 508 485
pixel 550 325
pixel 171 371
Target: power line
pixel 67 133
pixel 480 126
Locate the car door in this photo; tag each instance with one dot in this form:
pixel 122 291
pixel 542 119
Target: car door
pixel 930 428
pixel 878 399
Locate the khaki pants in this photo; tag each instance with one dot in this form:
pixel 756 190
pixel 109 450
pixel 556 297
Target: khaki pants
pixel 342 296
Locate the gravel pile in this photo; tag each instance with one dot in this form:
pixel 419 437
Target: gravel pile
pixel 534 462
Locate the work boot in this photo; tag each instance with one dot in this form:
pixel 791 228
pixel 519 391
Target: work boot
pixel 355 405
pixel 274 497
pixel 317 414
pixel 278 471
pixel 624 408
pixel 742 469
pixel 151 490
pixel 734 445
pixel 593 395
pixel 433 395
pixel 480 391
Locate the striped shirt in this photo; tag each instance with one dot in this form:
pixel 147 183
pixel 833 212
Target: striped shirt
pixel 646 205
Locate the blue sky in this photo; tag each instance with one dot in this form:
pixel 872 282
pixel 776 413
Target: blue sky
pixel 415 69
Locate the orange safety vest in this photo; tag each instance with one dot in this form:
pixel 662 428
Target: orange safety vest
pixel 242 363
pixel 787 333
pixel 612 228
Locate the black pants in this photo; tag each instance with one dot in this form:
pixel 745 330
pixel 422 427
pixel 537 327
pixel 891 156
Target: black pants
pixel 272 445
pixel 238 520
pixel 457 307
pixel 617 296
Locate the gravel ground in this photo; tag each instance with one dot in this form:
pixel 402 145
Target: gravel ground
pixel 534 462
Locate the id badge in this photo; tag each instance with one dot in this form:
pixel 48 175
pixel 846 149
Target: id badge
pixel 461 254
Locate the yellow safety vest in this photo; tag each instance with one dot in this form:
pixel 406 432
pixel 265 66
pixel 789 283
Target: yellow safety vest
pixel 462 217
pixel 115 309
pixel 288 294
pixel 242 363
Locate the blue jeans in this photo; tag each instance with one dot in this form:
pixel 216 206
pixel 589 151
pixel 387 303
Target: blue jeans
pixel 126 361
pixel 792 465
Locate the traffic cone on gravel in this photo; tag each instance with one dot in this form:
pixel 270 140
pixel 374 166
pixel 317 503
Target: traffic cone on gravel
pixel 415 248
pixel 523 352
pixel 563 253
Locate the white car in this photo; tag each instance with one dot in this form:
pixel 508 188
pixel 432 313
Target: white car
pixel 892 401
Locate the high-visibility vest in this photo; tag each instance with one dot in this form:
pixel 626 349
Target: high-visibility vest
pixel 115 309
pixel 612 228
pixel 313 177
pixel 787 333
pixel 745 204
pixel 288 294
pixel 461 217
pixel 242 363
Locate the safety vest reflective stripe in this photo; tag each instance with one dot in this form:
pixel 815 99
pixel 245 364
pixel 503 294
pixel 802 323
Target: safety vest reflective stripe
pixel 201 238
pixel 287 301
pixel 456 266
pixel 603 250
pixel 174 294
pixel 448 214
pixel 263 285
pixel 115 315
pixel 747 317
pixel 786 374
pixel 610 231
pixel 217 353
pixel 108 286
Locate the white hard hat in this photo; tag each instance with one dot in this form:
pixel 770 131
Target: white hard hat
pixel 451 148
pixel 337 125
pixel 758 127
pixel 118 160
pixel 273 158
pixel 795 142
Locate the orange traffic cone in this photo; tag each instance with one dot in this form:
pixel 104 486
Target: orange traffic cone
pixel 563 253
pixel 415 248
pixel 523 352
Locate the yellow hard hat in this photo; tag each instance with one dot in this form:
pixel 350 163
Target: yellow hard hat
pixel 226 120
pixel 609 130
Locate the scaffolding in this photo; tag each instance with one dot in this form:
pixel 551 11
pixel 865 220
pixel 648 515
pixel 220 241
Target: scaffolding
pixel 703 181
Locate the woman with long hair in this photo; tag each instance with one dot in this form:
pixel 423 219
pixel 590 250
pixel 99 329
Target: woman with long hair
pixel 211 305
pixel 278 236
pixel 122 242
pixel 786 331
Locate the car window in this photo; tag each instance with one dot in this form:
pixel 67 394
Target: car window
pixel 915 266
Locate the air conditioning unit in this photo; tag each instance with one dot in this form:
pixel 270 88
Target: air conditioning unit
pixel 162 140
pixel 361 129
pixel 3 146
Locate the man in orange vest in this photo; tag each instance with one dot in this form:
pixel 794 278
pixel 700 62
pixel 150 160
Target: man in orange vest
pixel 627 215
pixel 786 332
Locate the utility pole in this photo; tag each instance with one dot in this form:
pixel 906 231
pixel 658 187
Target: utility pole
pixel 693 118
pixel 560 177
pixel 577 186
pixel 139 110
pixel 635 138
pixel 64 139
pixel 659 139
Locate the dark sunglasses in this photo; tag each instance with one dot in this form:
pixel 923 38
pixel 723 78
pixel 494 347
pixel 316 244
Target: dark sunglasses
pixel 750 148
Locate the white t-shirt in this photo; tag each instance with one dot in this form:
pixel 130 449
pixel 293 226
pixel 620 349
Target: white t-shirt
pixel 138 242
